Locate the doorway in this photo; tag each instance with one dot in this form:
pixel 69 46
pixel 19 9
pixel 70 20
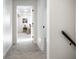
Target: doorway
pixel 29 44
pixel 24 23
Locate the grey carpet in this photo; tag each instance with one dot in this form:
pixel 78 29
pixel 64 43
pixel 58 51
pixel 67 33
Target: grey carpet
pixel 26 50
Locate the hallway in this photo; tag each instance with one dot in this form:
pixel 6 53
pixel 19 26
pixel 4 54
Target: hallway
pixel 46 27
pixel 26 50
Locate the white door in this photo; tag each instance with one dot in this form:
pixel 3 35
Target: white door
pixel 61 16
pixel 34 26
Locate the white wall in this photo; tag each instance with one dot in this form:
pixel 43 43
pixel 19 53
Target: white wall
pixel 41 21
pixel 32 3
pixel 61 17
pixel 7 25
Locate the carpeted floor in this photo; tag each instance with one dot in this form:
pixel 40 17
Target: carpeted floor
pixel 25 50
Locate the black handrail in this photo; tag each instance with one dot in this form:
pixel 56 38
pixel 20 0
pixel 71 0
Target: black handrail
pixel 65 34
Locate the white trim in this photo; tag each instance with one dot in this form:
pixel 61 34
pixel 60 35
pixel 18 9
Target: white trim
pixel 48 29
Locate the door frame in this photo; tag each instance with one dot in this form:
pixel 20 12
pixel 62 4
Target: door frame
pixel 14 35
pixel 17 22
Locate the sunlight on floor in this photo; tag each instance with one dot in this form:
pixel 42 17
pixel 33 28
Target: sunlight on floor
pixel 23 37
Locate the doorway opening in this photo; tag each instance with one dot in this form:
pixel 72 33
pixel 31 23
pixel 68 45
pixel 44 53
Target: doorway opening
pixel 24 23
pixel 29 30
